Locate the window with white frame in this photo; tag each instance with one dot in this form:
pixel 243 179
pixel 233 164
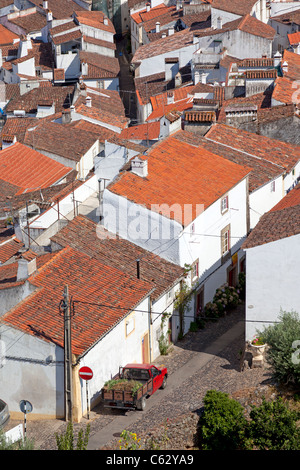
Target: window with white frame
pixel 224 204
pixel 225 240
pixel 130 325
pixel 195 270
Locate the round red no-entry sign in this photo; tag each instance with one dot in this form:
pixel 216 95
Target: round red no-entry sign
pixel 85 373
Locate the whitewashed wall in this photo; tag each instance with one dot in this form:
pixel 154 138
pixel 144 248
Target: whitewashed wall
pixel 272 282
pixel 27 375
pixel 115 350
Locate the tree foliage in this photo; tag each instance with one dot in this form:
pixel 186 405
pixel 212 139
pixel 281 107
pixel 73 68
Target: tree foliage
pixel 222 425
pixel 283 340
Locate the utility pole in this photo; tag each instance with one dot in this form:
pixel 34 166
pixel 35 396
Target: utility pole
pixel 66 310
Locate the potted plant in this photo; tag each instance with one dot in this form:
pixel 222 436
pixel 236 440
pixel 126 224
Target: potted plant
pixel 258 345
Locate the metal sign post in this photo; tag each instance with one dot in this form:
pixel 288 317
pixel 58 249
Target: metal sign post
pixel 25 407
pixel 86 374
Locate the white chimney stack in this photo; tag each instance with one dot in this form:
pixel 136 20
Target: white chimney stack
pixel 157 27
pixel 49 16
pixel 25 268
pixel 45 4
pixel 105 20
pixel 88 101
pixel 148 6
pixel 139 167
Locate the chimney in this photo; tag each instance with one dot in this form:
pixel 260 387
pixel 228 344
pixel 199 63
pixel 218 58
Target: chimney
pixel 105 20
pixel 1 58
pixel 170 97
pixel 148 6
pixel 84 68
pixel 23 47
pixel 139 167
pixel 178 80
pixel 88 101
pixel 66 116
pixel 45 4
pixel 171 68
pixel 170 31
pixel 196 77
pixel 49 16
pixel 157 27
pixel 164 35
pixel 219 23
pixel 277 59
pixel 285 67
pixel 25 268
pixel 138 268
pixel 203 77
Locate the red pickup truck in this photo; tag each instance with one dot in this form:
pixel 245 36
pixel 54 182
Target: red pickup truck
pixel 149 376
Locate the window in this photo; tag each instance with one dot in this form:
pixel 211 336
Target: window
pixel 129 326
pixel 224 204
pixel 195 270
pixel 225 240
pixel 273 187
pixel 192 230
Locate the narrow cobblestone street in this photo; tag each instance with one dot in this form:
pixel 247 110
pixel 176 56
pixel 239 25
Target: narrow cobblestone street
pixel 222 372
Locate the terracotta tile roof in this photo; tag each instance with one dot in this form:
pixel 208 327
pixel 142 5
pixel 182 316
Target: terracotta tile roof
pixel 289 18
pixel 196 18
pixel 281 222
pixel 88 280
pixel 60 9
pixel 59 74
pixel 177 106
pixel 59 139
pixel 106 100
pixel 148 131
pixel 171 181
pixel 262 171
pixel 102 116
pixel 95 19
pixel 61 96
pixel 10 51
pixel 17 127
pixel 70 36
pixel 260 74
pixel 29 169
pixel 101 133
pixel 143 16
pixel 293 62
pixel 200 116
pixel 279 153
pixel 6 36
pixel 12 203
pixel 285 90
pixel 291 199
pixel 155 84
pixel 84 235
pixel 30 23
pixel 8 272
pixel 234 6
pixel 9 249
pixel 294 38
pixel 261 100
pixel 170 16
pixel 99 42
pixel 100 66
pixel 256 62
pixel 248 24
pixel 174 42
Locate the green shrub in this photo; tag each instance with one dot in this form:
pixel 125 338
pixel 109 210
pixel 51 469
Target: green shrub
pixel 65 441
pixel 273 426
pixel 282 340
pixel 222 425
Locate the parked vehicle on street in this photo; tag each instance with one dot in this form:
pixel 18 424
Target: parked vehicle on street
pixel 4 414
pixel 132 385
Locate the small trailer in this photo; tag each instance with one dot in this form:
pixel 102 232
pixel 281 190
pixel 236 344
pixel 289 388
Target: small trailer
pixel 132 385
